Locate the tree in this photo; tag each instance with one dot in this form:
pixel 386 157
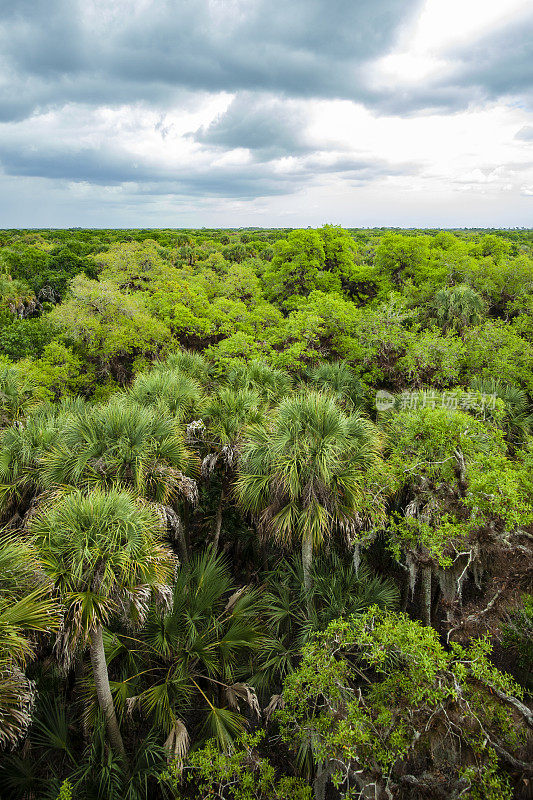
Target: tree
pixel 385 708
pixel 171 391
pixel 338 590
pixel 240 774
pixel 26 610
pixel 338 378
pixel 452 483
pixel 103 553
pixel 124 444
pixel 456 307
pixel 195 654
pixel 17 394
pixel 297 268
pixel 228 414
pixel 110 328
pixel 399 257
pixel 302 472
pixel 269 383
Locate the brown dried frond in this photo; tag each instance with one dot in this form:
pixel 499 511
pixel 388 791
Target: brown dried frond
pixel 177 743
pixel 242 692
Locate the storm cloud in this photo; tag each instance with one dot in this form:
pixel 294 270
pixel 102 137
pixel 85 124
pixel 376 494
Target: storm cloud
pixel 230 98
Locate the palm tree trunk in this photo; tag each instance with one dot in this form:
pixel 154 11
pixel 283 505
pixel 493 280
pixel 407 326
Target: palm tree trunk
pixel 182 545
pixel 425 594
pixel 103 692
pixel 218 522
pixel 79 678
pixel 307 561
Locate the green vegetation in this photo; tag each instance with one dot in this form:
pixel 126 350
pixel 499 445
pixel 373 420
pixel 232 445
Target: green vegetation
pixel 266 514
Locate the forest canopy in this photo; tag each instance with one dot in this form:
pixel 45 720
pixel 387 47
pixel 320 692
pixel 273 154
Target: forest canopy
pixel 266 514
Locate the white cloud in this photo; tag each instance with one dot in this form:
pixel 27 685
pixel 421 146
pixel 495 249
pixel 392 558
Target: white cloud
pixel 428 47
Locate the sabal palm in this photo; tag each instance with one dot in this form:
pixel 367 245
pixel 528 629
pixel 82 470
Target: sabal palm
pixel 518 420
pixel 338 378
pixel 337 591
pixel 21 448
pixel 104 554
pixel 123 444
pixel 301 473
pixel 458 306
pixel 192 364
pixel 16 395
pixel 194 652
pixel 228 414
pixel 26 608
pixel 170 391
pixel 270 383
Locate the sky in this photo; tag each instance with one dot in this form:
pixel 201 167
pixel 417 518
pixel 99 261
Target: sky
pixel 269 113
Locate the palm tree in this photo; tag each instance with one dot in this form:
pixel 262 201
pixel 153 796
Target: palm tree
pixel 338 590
pixel 124 444
pixel 302 473
pixel 458 306
pixel 228 414
pixel 104 555
pixel 16 395
pixel 168 390
pixel 26 609
pixel 22 446
pixel 518 419
pixel 338 378
pixel 270 383
pixel 192 364
pixel 195 654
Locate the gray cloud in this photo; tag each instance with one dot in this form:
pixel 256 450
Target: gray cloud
pixel 54 52
pixel 272 55
pixel 59 51
pixel 106 166
pixel 268 126
pixel 501 63
pixel 109 165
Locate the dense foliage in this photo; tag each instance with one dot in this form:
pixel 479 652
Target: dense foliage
pixel 266 514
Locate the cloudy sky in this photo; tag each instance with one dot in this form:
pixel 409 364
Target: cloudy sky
pixel 155 113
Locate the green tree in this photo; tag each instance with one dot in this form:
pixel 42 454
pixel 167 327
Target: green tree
pixel 302 473
pixel 399 257
pixel 297 268
pixel 195 655
pixel 104 554
pixel 373 693
pixel 242 774
pixel 124 444
pixel 228 415
pixel 171 391
pixel 108 327
pixel 442 461
pixel 17 394
pixel 338 378
pixel 457 307
pixel 26 610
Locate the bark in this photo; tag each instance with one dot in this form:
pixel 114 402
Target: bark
pixel 186 522
pixel 522 709
pixel 307 560
pixel 182 546
pixel 103 692
pixel 77 674
pixel 320 783
pixel 218 522
pixel 177 528
pixel 425 594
